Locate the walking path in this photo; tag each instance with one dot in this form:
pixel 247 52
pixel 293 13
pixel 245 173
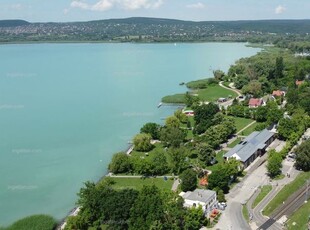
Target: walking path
pixel 234 90
pixel 175 185
pixel 240 131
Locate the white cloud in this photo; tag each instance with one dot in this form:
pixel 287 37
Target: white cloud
pixel 139 4
pixel 280 9
pixel 197 5
pixel 104 5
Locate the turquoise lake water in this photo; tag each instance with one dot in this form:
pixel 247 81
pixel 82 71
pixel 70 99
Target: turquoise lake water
pixel 66 108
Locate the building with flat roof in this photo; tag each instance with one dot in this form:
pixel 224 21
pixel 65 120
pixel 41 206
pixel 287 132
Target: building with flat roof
pixel 206 198
pixel 251 147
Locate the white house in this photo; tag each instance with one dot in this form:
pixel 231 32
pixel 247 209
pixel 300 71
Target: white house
pixel 206 198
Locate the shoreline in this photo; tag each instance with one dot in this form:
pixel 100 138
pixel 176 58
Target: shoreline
pixel 176 105
pixel 115 42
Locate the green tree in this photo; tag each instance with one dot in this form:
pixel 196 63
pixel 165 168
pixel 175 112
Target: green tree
pixel 191 100
pixel 274 114
pixel 147 209
pixel 142 142
pixel 172 136
pixel 120 163
pixel 303 156
pixel 204 115
pixel 205 153
pixel 174 211
pixel 188 180
pixel 220 196
pixel 152 129
pixel 261 114
pixel 159 163
pixel 172 122
pixel 254 88
pixel 274 164
pixel 195 219
pixel 278 73
pixel 181 116
pixel 218 75
pixel 286 127
pixel 177 159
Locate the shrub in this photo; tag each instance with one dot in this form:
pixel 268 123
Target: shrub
pixel 35 222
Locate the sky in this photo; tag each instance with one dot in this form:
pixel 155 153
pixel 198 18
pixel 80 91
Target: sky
pixel 194 10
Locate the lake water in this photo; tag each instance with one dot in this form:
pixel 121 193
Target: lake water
pixel 66 108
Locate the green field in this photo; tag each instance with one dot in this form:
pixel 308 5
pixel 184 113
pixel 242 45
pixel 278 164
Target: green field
pixel 242 122
pixel 137 183
pixel 249 130
pixel 285 192
pixel 234 143
pixel 263 192
pixel 300 217
pixel 214 92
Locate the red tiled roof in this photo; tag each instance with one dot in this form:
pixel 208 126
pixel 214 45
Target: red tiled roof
pixel 299 82
pixel 255 102
pixel 277 93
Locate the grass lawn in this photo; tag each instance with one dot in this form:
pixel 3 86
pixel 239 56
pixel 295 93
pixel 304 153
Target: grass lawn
pixel 234 143
pixel 214 92
pixel 242 122
pixel 286 191
pixel 137 183
pixel 219 158
pixel 245 213
pixel 226 83
pixel 158 148
pixel 263 192
pixel 300 217
pixel 249 130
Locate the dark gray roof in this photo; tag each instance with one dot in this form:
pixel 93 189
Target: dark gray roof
pixel 201 195
pixel 250 145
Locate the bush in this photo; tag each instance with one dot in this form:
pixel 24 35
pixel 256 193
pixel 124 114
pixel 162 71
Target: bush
pixel 35 222
pixel 142 142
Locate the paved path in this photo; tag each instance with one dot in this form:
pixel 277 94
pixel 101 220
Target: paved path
pixel 175 185
pixel 231 89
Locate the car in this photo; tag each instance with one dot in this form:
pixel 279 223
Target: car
pixel 223 204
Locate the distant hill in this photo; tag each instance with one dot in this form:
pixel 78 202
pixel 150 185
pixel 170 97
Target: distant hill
pixel 13 23
pixel 141 29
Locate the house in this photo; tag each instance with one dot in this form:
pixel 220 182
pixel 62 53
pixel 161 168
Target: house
pixel 206 198
pixel 189 113
pixel 251 147
pixel 278 93
pixel 298 83
pixel 255 102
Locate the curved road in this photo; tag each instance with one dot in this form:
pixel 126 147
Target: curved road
pixel 234 90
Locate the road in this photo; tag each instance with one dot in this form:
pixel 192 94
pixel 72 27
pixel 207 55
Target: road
pixel 229 102
pixel 294 202
pixel 232 217
pixel 262 222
